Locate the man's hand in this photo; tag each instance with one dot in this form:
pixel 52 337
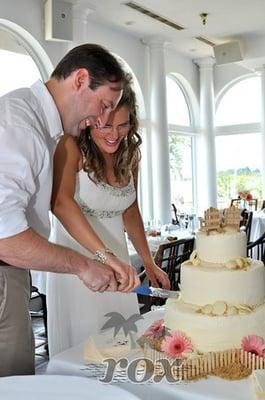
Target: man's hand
pixel 98 277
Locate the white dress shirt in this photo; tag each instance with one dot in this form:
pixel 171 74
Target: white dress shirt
pixel 30 127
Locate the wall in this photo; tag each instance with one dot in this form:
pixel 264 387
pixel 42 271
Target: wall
pixel 224 74
pixel 176 62
pixel 29 14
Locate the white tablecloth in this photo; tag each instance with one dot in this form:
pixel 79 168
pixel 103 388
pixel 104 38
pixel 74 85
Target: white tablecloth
pixel 39 279
pixel 258 225
pixel 52 387
pixel 71 362
pixel 154 243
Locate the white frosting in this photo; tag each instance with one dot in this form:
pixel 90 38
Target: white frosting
pixel 214 333
pixel 208 281
pixel 221 247
pixel 202 285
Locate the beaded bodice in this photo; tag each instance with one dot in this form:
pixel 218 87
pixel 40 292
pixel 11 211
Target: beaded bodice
pixel 102 200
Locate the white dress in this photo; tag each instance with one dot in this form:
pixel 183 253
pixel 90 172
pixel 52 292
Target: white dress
pixel 75 312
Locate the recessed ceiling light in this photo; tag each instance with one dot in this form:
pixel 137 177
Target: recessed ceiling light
pixel 192 50
pixel 129 23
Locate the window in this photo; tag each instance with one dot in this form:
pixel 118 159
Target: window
pixel 241 103
pixel 28 71
pixel 238 156
pixel 177 108
pixel 180 146
pixel 238 164
pixel 181 172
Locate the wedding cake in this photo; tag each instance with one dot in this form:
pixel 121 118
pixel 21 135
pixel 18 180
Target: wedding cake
pixel 222 301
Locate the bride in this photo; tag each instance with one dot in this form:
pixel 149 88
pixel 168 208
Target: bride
pixel 95 202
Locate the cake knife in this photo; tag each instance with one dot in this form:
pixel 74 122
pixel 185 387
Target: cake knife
pixel 156 292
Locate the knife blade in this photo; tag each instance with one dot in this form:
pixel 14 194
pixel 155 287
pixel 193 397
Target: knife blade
pixel 156 292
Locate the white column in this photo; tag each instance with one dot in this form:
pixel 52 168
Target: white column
pixel 207 186
pixel 261 72
pixel 80 14
pixel 146 160
pixel 159 132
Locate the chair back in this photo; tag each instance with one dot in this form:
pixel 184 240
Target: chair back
pixel 256 249
pixel 252 204
pixel 246 222
pixel 236 202
pixel 37 304
pixel 170 255
pixel 175 220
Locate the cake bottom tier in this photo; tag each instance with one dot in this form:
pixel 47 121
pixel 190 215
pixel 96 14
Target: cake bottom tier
pixel 215 333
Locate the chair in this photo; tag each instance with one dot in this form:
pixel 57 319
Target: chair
pixel 236 202
pixel 263 205
pixel 252 204
pixel 171 255
pixel 175 220
pixel 145 302
pixel 256 249
pixel 246 223
pixel 38 308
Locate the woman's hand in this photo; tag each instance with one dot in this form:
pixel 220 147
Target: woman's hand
pixel 155 275
pixel 125 274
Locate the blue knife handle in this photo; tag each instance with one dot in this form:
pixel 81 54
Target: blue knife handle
pixel 143 290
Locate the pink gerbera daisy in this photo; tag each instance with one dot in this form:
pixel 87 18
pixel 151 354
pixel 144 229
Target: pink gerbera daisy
pixel 254 344
pixel 156 329
pixel 176 344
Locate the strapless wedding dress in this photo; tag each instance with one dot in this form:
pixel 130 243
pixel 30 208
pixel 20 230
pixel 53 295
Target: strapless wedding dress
pixel 75 312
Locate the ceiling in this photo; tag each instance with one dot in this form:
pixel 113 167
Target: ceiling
pixel 228 20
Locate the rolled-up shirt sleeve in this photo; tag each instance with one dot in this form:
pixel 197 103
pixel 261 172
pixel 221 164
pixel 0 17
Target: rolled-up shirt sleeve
pixel 18 170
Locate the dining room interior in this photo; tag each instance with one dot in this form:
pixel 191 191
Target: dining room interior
pixel 198 72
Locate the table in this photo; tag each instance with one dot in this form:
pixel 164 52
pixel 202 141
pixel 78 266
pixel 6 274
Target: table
pixel 53 387
pixel 258 225
pixel 154 243
pixel 71 362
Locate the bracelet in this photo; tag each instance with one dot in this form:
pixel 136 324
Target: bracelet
pixel 101 255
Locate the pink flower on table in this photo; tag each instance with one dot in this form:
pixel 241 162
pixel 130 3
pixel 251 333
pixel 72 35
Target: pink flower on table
pixel 254 344
pixel 156 329
pixel 245 195
pixel 176 344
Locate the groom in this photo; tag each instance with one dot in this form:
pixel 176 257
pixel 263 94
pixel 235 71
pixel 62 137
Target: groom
pixel 86 86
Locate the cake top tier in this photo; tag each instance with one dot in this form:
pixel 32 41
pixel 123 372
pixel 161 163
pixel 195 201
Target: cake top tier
pixel 215 220
pixel 221 247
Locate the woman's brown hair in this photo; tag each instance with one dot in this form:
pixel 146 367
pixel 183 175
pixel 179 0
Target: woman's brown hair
pixel 126 158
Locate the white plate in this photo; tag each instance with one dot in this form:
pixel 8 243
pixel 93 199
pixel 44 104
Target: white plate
pixel 55 387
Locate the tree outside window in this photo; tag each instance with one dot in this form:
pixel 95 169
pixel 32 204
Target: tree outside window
pixel 178 116
pixel 238 156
